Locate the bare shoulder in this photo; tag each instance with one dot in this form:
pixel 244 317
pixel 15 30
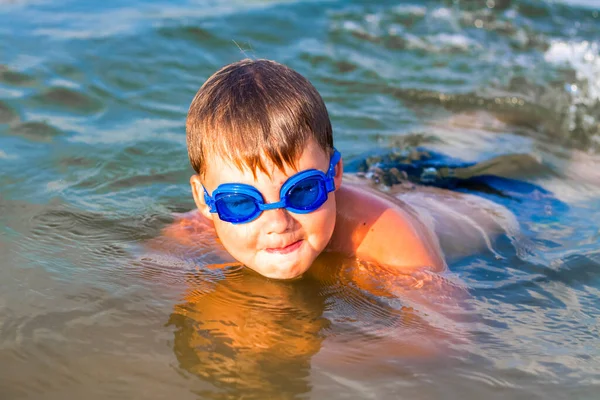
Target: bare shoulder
pixel 383 230
pixel 190 237
pixel 189 225
pixel 189 234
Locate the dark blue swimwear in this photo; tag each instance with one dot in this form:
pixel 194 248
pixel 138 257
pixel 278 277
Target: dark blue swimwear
pixel 425 167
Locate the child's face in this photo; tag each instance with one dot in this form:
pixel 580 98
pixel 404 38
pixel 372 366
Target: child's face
pixel 278 244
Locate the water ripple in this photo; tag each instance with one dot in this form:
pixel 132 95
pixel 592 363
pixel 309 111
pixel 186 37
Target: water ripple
pixel 69 100
pixel 7 114
pixel 36 131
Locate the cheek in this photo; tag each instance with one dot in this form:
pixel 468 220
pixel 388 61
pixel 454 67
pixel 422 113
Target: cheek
pixel 237 239
pixel 319 225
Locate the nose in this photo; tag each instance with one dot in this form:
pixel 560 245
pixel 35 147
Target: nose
pixel 277 220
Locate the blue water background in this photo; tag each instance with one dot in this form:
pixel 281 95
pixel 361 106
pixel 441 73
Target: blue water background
pixel 93 164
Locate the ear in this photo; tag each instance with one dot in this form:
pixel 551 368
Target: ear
pixel 198 193
pixel 339 171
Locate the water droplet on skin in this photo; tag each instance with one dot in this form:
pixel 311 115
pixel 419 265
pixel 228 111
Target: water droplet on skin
pixel 429 175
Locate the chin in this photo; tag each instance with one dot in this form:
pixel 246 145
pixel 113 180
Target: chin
pixel 283 273
pixel 284 267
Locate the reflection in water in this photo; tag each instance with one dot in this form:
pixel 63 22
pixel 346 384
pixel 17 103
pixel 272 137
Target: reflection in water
pixel 248 333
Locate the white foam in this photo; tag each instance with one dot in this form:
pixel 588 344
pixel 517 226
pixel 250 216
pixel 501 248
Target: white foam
pixel 409 9
pixel 452 40
pixel 442 42
pixel 442 13
pixel 593 4
pixel 353 26
pixel 57 186
pixel 415 42
pixel 132 132
pixel 584 58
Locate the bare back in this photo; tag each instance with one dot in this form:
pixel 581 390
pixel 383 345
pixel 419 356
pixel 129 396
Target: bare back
pixel 448 225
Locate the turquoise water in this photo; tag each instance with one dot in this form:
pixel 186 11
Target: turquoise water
pixel 93 98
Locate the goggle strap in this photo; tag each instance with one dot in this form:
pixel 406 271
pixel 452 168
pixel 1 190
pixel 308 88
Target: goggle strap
pixel 209 201
pixel 329 182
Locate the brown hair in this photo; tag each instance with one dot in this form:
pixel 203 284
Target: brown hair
pixel 253 109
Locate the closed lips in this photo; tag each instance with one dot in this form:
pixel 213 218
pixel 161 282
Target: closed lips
pixel 285 248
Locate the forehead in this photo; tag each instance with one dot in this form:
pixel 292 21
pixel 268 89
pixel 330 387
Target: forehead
pixel 219 170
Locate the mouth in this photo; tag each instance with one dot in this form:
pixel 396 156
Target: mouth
pixel 286 249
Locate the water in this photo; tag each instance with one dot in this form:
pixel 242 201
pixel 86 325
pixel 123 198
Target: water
pixel 93 98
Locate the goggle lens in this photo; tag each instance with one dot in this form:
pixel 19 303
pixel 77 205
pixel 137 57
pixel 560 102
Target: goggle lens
pixel 308 194
pixel 236 207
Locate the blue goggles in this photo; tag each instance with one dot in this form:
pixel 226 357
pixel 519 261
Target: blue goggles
pixel 302 193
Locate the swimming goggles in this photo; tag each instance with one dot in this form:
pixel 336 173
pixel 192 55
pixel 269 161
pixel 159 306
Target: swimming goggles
pixel 302 193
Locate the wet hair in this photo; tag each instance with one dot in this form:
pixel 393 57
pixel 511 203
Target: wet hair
pixel 251 111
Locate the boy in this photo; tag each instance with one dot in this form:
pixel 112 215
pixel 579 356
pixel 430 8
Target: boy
pixel 269 182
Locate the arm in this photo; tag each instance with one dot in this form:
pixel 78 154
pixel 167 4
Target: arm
pixel 383 231
pixel 193 236
pixel 397 240
pixel 187 227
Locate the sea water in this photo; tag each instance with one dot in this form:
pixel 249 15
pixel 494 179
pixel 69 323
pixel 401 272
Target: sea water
pixel 93 165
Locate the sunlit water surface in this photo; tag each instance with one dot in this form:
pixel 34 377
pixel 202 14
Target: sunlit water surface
pixel 93 98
